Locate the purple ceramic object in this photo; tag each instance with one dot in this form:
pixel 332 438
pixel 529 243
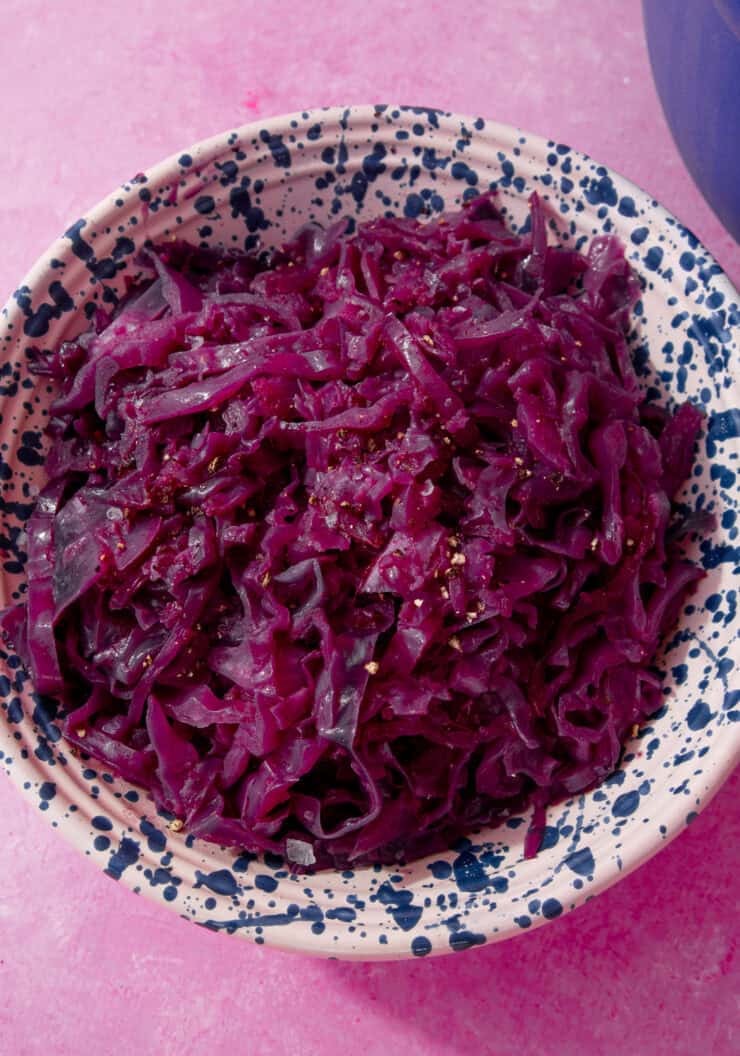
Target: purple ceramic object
pixel 694 49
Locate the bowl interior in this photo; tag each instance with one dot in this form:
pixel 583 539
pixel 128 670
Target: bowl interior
pixel 251 189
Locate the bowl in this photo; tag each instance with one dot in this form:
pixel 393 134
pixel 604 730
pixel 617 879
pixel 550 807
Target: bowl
pixel 252 187
pixel 702 41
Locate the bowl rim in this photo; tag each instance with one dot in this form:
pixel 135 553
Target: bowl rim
pixel 637 851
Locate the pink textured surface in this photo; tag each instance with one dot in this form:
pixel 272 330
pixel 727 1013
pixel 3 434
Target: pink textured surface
pixel 651 966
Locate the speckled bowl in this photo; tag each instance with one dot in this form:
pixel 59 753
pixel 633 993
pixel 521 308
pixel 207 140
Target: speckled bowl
pixel 253 187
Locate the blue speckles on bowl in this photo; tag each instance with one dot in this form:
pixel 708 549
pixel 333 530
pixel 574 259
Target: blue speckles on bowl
pixel 249 189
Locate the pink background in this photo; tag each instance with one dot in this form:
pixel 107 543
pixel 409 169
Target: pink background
pixel 93 93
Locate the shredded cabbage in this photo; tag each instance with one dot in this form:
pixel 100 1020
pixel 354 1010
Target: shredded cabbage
pixel 350 548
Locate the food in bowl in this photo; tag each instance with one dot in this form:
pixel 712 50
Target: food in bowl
pixel 352 547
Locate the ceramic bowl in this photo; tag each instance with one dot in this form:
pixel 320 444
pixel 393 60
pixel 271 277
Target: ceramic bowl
pixel 695 55
pixel 252 187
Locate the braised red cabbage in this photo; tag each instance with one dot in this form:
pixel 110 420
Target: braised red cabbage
pixel 351 548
